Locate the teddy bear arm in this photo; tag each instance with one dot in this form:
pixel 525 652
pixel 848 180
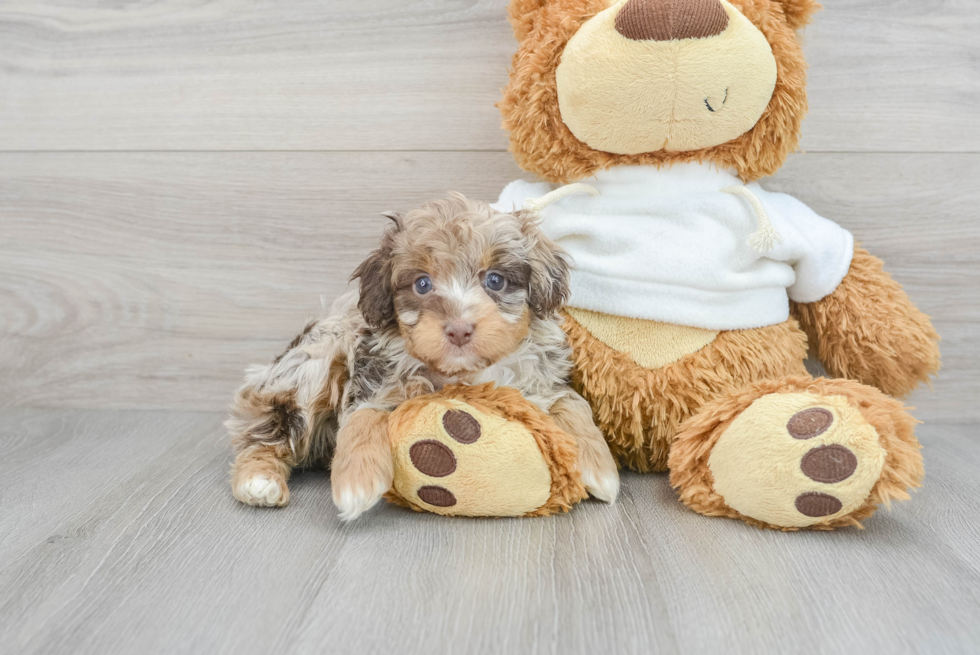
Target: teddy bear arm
pixel 870 331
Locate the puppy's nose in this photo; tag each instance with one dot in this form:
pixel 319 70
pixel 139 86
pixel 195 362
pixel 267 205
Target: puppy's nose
pixel 667 20
pixel 459 333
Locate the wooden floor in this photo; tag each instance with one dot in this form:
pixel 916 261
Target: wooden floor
pixel 182 181
pixel 118 534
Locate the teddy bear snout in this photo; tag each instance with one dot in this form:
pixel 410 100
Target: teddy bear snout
pixel 668 20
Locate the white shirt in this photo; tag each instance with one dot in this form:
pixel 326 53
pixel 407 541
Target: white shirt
pixel 669 245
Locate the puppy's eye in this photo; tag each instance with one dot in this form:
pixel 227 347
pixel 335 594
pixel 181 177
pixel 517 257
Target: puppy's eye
pixel 494 281
pixel 423 285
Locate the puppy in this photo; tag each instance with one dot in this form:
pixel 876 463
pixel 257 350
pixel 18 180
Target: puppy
pixel 457 294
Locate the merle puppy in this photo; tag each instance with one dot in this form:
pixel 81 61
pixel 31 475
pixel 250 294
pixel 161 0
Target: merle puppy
pixel 457 293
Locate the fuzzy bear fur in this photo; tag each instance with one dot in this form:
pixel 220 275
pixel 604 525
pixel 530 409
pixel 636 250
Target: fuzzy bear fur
pixel 903 468
pixel 868 330
pixel 544 145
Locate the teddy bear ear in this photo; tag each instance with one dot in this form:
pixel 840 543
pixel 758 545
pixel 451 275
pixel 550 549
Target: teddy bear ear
pixel 798 12
pixel 521 14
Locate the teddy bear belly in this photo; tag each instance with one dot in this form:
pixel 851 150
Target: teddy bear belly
pixel 639 408
pixel 651 344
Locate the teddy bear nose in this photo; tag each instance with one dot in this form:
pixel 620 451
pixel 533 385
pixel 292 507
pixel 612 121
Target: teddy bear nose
pixel 668 20
pixel 459 333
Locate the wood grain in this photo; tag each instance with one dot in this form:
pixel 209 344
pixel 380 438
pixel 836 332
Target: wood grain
pixel 420 75
pixel 134 279
pixel 152 280
pixel 160 559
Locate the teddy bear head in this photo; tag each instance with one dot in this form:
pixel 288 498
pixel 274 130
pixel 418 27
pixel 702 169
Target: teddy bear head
pixel 599 83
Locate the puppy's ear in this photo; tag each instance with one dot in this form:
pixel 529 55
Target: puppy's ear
pixel 548 285
pixel 377 294
pixel 397 218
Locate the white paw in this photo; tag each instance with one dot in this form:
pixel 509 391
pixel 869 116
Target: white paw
pixel 352 501
pixel 604 486
pixel 260 491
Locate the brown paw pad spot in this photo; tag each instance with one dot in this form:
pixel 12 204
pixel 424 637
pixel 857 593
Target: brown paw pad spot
pixel 817 504
pixel 809 423
pixel 437 496
pixel 432 458
pixel 461 426
pixel 829 464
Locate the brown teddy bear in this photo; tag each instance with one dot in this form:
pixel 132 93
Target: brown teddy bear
pixel 697 292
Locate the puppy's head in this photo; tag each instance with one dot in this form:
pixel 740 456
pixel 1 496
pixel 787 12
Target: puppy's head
pixel 461 282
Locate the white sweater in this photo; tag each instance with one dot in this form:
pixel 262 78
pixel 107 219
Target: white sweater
pixel 669 245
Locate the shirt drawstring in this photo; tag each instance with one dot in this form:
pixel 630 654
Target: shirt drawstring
pixel 765 236
pixel 762 240
pixel 537 204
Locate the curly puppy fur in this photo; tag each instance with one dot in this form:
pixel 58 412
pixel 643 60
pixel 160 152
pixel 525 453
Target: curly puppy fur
pixel 691 475
pixel 394 340
pixel 869 330
pixel 543 144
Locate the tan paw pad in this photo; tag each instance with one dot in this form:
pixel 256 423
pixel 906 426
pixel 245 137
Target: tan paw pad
pixel 452 458
pixel 796 459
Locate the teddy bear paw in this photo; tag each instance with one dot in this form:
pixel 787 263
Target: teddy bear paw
pixel 460 460
pixel 499 456
pixel 792 460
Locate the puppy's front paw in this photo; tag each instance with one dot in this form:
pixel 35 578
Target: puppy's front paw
pixel 356 489
pixel 262 490
pixel 599 473
pixel 601 484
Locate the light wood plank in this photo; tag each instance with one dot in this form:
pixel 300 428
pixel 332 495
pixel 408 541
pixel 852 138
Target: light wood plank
pixel 161 559
pixel 391 75
pixel 80 456
pixel 152 280
pixel 888 76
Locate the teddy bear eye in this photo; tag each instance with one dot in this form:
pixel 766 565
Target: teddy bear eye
pixel 494 281
pixel 423 285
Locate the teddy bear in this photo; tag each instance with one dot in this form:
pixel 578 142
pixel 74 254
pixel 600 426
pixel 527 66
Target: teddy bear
pixel 696 293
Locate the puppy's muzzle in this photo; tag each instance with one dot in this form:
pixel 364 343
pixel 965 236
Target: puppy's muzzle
pixel 459 333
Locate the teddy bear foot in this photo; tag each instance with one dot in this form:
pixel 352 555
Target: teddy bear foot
pixel 481 451
pixel 797 453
